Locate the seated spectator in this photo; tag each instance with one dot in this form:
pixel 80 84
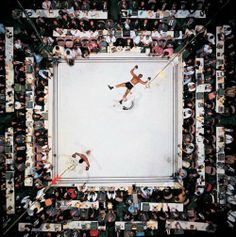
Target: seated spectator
pixel 168 51
pixel 187 112
pixel 102 42
pixel 162 27
pixel 146 25
pixel 211 38
pixel 127 24
pixel 85 6
pixel 207 49
pixel 146 40
pixel 230 159
pixel 77 51
pixel 92 46
pixel 18 44
pixel 47 5
pixel 110 39
pixel 142 5
pixel 123 5
pixel 167 194
pixel 171 22
pixel 129 43
pixel 228 138
pixel 136 39
pixel 92 25
pixel 146 193
pixel 155 34
pixel 230 91
pixel 210 170
pixel 178 229
pixel 58 51
pixel 92 196
pixel 156 49
pixel 69 56
pixel 135 25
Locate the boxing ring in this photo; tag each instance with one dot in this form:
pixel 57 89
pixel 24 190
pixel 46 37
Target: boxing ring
pixel 136 146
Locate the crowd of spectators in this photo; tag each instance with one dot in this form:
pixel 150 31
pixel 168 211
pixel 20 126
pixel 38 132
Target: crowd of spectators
pixel 133 5
pixel 114 205
pixel 202 201
pixel 84 36
pixel 83 5
pixel 229 122
pixel 96 35
pixel 200 204
pixel 2 73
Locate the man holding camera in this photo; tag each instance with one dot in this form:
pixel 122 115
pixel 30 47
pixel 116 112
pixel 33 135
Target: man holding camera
pixel 130 84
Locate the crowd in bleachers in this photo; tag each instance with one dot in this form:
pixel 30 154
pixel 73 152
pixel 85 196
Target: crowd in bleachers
pixel 123 4
pixel 67 4
pixel 83 37
pixel 200 201
pixel 93 35
pixel 2 73
pixel 230 103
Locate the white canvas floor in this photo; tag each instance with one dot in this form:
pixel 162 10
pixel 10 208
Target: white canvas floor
pixel 126 145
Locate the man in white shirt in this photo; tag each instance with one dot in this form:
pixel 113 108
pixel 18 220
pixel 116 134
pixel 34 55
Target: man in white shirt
pixel 207 49
pixel 46 74
pixel 18 44
pixel 47 5
pixel 127 24
pixel 211 38
pixel 147 40
pixel 110 39
pixel 70 57
pixel 137 39
pixel 155 34
pixel 58 51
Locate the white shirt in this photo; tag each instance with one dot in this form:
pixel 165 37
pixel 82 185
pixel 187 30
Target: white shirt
pixel 187 112
pixel 227 29
pixel 228 139
pixel 211 38
pixel 18 44
pixel 191 86
pixel 136 39
pixel 187 80
pixel 71 55
pixel 110 39
pixel 41 73
pixel 206 87
pixel 189 148
pixel 78 52
pixel 17 105
pixel 46 5
pixel 207 49
pixel 155 34
pixel 189 72
pixel 127 26
pixel 59 52
pixel 147 40
pixel 94 34
pixel 92 196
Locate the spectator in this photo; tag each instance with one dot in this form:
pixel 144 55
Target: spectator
pixel 47 5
